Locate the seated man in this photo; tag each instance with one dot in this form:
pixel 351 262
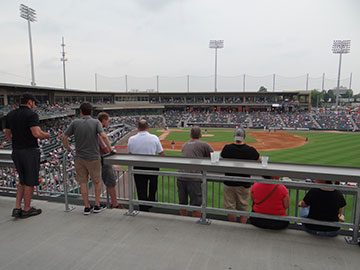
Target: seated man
pixel 326 204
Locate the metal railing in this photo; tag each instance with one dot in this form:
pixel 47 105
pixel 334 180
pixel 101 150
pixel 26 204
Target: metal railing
pixel 211 172
pixel 212 178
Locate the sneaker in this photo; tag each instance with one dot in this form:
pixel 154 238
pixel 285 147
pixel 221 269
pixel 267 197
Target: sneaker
pixel 98 209
pixel 32 212
pixel 119 206
pixel 88 210
pixel 16 213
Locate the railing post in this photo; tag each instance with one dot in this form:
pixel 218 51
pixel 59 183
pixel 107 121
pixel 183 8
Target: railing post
pixel 131 211
pixel 67 208
pixel 354 239
pixel 203 219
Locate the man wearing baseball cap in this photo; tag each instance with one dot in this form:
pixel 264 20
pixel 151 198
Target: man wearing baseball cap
pixel 22 129
pixel 236 194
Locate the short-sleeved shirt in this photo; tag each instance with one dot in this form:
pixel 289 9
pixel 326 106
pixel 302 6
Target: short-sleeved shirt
pixel 195 149
pixel 324 205
pixel 239 151
pixel 144 143
pixel 272 205
pixel 19 121
pixel 85 130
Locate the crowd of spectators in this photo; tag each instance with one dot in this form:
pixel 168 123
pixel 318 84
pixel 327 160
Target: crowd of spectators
pixel 265 119
pixel 218 117
pixel 334 120
pixel 199 116
pixel 218 100
pixel 297 120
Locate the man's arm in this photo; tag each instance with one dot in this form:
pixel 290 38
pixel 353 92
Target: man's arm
pixel 106 140
pixel 8 134
pixel 65 141
pixel 38 133
pixel 162 153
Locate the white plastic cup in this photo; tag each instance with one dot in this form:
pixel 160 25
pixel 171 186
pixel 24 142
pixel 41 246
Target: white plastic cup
pixel 215 157
pixel 264 161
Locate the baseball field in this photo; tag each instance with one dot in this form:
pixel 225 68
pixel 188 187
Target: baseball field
pixel 309 147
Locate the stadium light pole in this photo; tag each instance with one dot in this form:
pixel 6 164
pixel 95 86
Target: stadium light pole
pixel 340 47
pixel 216 44
pixel 63 59
pixel 29 14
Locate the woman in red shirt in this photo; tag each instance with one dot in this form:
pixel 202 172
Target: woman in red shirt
pixel 270 199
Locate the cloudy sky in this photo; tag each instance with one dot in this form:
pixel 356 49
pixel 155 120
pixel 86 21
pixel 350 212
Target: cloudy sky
pixel 145 38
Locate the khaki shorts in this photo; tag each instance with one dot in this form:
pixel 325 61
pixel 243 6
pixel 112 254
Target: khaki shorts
pixel 236 198
pixel 84 168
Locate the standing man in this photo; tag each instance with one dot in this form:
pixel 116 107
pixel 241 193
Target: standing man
pixel 191 187
pixel 87 160
pixel 107 170
pixel 236 194
pixel 22 129
pixel 144 143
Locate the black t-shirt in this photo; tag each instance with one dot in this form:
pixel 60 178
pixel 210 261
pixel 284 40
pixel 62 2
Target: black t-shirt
pixel 239 151
pixel 19 121
pixel 324 205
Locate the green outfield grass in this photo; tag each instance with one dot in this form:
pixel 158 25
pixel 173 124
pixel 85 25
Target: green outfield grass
pixel 325 148
pixel 219 135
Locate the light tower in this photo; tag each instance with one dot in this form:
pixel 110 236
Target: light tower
pixel 340 47
pixel 216 44
pixel 29 14
pixel 63 59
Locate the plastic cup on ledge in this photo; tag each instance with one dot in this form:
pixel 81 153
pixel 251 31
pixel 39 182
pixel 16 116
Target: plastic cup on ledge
pixel 215 157
pixel 264 161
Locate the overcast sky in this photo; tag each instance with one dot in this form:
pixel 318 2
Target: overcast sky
pixel 144 38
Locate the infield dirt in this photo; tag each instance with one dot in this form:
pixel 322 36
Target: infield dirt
pixel 265 141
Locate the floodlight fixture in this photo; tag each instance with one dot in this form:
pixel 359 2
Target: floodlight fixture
pixel 340 47
pixel 29 14
pixel 216 44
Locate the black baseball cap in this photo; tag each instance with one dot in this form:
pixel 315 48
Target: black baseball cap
pixel 24 98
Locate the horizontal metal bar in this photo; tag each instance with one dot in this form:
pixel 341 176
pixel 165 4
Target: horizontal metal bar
pixel 166 205
pixel 251 180
pixel 302 171
pixel 283 218
pixel 182 174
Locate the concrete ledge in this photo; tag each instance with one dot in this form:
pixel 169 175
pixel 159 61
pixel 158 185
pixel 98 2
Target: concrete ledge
pixel 110 240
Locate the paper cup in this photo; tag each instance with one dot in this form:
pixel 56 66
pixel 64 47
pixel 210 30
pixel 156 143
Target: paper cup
pixel 215 157
pixel 264 161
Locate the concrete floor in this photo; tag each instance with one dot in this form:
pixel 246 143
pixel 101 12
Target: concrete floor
pixel 110 240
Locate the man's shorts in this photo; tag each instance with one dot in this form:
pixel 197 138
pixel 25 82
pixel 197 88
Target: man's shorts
pixel 236 198
pixel 108 175
pixel 86 168
pixel 191 189
pixel 27 163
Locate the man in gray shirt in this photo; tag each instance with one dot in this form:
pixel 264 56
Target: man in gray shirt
pixel 87 160
pixel 191 187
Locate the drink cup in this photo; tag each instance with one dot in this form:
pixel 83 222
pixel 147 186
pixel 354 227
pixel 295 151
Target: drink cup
pixel 215 157
pixel 264 161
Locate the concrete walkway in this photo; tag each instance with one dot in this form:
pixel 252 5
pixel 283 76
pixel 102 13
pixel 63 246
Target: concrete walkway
pixel 110 240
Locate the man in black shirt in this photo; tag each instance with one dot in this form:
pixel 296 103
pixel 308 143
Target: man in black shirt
pixel 22 129
pixel 236 194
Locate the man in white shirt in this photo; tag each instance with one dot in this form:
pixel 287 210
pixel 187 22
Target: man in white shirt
pixel 144 143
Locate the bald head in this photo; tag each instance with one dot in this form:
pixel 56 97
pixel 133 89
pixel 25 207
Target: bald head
pixel 195 132
pixel 143 125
